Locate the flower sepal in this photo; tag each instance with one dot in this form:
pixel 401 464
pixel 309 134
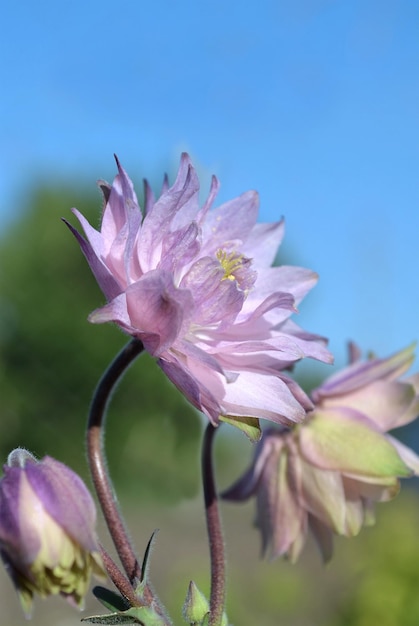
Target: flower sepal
pixel 333 440
pixel 110 599
pixel 196 606
pixel 196 609
pixel 250 426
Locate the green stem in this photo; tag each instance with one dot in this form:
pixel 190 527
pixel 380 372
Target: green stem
pixel 214 528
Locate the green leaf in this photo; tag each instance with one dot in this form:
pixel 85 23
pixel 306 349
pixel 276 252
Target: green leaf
pixel 135 615
pixel 111 618
pixel 110 599
pixel 248 425
pixel 145 565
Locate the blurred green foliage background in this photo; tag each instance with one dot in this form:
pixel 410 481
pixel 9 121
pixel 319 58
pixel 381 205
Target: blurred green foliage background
pixel 51 359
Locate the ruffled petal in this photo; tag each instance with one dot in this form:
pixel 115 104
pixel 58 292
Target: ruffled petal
pixel 360 374
pixel 258 395
pixel 229 225
pixel 158 310
pixel 385 403
pixel 262 244
pixel 93 251
pixel 323 495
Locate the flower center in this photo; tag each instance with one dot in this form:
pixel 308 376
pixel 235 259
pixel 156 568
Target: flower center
pixel 236 268
pixel 230 262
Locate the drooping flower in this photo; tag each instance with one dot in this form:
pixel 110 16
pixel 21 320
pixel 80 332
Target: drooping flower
pixel 47 529
pixel 326 473
pixel 196 286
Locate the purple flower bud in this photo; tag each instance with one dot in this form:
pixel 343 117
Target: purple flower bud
pixel 47 529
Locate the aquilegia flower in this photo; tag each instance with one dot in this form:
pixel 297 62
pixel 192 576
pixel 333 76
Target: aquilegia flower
pixel 196 286
pixel 326 473
pixel 47 529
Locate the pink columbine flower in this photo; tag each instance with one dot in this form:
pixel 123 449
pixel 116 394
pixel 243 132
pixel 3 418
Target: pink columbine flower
pixel 47 529
pixel 196 286
pixel 326 473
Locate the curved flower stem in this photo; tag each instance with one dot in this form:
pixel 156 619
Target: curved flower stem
pixel 103 484
pixel 215 533
pixel 97 461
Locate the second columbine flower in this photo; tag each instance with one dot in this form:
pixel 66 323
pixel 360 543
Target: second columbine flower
pixel 326 474
pixel 196 286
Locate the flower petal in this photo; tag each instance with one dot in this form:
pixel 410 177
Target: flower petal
pixel 231 223
pixel 384 402
pixel 258 395
pixel 360 374
pixel 158 310
pixel 262 243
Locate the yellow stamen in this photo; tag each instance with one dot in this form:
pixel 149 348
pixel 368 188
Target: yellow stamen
pixel 230 262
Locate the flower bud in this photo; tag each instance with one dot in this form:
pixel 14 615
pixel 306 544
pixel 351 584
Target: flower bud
pixel 47 529
pixel 196 606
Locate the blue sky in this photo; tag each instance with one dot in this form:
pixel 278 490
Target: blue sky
pixel 314 103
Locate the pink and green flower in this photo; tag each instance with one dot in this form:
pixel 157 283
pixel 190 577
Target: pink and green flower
pixel 326 473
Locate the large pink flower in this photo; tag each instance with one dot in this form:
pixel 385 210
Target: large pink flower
pixel 327 473
pixel 196 286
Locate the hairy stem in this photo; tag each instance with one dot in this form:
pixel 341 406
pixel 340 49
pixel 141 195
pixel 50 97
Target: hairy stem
pixel 119 580
pixel 97 460
pixel 103 484
pixel 215 533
